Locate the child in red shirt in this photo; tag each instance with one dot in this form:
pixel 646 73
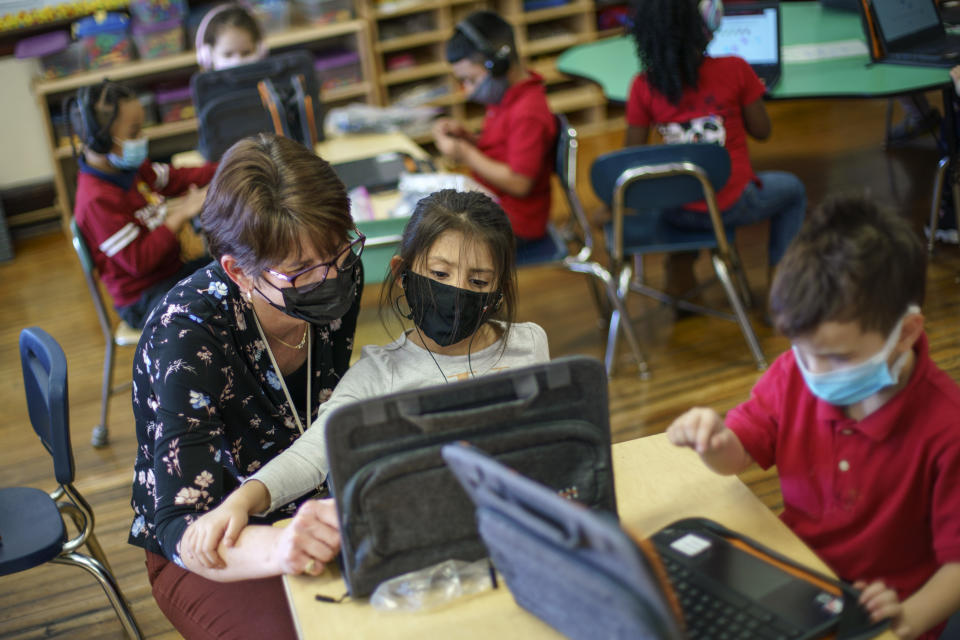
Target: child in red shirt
pixel 864 428
pixel 513 155
pixel 121 206
pixel 688 96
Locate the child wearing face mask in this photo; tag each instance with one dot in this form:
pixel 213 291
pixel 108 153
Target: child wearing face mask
pixel 228 36
pixel 513 154
pixel 122 205
pixel 864 428
pixel 454 278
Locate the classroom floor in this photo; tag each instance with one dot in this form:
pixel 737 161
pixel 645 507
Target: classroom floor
pixel 833 146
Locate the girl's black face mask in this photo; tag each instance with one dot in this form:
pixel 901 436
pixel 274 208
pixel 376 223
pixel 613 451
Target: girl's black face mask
pixel 447 314
pixel 325 303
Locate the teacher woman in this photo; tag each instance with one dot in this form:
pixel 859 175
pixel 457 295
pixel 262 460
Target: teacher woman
pixel 230 369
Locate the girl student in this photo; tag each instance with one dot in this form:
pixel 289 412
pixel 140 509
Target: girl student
pixel 689 96
pixel 454 276
pixel 229 36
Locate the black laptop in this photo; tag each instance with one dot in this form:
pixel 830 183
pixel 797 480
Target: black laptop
pixel 912 32
pixel 751 30
pixel 580 572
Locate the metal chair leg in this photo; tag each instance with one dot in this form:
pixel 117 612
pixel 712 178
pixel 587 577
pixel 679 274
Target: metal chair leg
pixel 110 587
pixel 101 437
pixel 938 181
pixel 720 267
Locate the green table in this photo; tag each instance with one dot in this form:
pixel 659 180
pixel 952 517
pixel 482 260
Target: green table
pixel 823 56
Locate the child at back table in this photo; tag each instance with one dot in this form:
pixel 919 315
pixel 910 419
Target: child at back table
pixel 228 36
pixel 454 277
pixel 864 428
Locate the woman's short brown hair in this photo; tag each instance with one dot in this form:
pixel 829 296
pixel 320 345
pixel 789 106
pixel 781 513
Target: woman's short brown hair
pixel 852 261
pixel 271 197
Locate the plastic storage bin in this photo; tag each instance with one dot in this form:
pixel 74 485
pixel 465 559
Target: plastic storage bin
pixel 58 55
pixel 149 103
pixel 151 11
pixel 105 40
pixel 273 15
pixel 324 11
pixel 337 68
pixel 158 39
pixel 174 104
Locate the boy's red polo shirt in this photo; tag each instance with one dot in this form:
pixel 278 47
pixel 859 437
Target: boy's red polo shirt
pixel 878 498
pixel 521 131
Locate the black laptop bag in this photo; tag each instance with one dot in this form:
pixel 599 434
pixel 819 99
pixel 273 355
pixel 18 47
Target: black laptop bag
pixel 400 507
pixel 277 95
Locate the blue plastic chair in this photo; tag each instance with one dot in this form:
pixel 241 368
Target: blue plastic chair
pixel 649 181
pixel 32 521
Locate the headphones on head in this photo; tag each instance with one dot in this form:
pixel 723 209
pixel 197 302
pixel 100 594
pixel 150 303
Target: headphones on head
pixel 712 13
pixel 205 51
pixel 496 62
pixel 95 137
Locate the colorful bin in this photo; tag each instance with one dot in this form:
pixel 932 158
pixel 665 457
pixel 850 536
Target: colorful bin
pixel 158 39
pixel 337 68
pixel 152 11
pixel 59 56
pixel 324 11
pixel 105 39
pixel 174 104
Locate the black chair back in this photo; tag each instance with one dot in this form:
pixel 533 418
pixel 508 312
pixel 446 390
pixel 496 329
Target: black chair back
pixel 45 381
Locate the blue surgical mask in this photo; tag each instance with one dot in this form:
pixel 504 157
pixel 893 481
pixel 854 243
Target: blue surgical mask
pixel 853 384
pixel 490 90
pixel 133 154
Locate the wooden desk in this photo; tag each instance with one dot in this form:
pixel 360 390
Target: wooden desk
pixel 383 233
pixel 656 483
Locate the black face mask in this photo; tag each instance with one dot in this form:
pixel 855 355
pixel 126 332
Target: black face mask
pixel 444 313
pixel 325 303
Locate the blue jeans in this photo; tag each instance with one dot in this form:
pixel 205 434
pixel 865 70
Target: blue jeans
pixel 782 199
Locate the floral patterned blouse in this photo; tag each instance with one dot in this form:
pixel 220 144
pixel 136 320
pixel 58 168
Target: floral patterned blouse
pixel 208 405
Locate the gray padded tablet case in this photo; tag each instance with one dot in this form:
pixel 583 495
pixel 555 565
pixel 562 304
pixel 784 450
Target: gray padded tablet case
pixel 401 508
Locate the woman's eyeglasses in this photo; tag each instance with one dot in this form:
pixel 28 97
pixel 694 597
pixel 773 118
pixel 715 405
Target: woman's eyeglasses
pixel 345 260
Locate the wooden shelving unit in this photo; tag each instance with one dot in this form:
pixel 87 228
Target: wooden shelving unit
pixel 143 72
pixel 401 46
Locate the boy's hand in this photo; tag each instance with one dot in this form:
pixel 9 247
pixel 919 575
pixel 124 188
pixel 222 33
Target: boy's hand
pixel 184 208
pixel 955 76
pixel 882 602
pixel 448 127
pixel 203 536
pixel 311 540
pixel 700 429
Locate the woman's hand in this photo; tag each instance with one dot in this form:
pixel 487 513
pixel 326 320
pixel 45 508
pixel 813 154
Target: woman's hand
pixel 202 538
pixel 882 602
pixel 311 540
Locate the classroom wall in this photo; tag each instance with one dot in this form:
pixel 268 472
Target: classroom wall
pixel 23 154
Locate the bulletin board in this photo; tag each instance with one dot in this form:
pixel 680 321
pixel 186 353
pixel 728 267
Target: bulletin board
pixel 20 14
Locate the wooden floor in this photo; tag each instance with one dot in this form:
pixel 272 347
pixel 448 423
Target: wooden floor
pixel 832 146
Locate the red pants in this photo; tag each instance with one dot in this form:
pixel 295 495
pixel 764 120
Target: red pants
pixel 206 610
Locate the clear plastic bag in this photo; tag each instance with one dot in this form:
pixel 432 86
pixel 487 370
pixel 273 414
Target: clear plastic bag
pixel 414 186
pixel 433 587
pixel 365 118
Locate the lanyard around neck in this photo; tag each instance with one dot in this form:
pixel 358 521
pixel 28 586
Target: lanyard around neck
pixel 283 384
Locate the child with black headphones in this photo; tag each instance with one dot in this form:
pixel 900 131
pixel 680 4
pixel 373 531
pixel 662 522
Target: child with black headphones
pixel 513 155
pixel 121 206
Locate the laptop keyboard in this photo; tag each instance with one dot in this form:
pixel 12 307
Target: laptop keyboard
pixel 722 615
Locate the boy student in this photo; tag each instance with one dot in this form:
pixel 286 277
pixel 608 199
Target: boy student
pixel 512 156
pixel 864 428
pixel 121 208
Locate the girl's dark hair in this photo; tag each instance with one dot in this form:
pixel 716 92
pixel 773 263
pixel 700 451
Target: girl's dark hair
pixel 269 197
pixel 235 16
pixel 852 261
pixel 478 219
pixel 671 39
